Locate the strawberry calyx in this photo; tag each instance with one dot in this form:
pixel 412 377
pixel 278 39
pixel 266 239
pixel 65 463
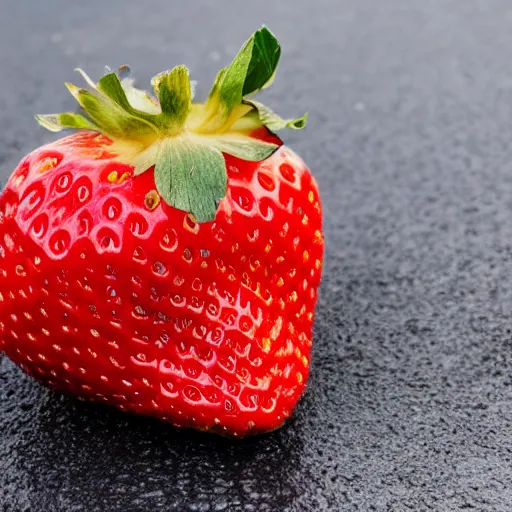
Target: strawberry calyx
pixel 181 140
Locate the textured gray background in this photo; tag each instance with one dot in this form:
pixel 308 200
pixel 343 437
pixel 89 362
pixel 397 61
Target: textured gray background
pixel 410 400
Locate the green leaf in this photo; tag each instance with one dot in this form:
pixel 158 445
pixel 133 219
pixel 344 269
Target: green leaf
pixel 110 116
pixel 139 99
pixel 111 111
pixel 59 122
pixel 116 108
pixel 183 143
pixel 274 122
pixel 110 85
pixel 264 61
pixel 191 176
pixel 241 145
pixel 251 70
pixel 174 93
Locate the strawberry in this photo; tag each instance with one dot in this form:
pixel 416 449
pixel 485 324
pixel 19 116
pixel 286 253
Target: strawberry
pixel 165 257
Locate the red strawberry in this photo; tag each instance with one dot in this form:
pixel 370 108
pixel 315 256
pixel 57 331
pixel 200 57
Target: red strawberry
pixel 165 258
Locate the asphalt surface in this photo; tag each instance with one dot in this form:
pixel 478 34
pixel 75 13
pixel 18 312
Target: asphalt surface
pixel 409 405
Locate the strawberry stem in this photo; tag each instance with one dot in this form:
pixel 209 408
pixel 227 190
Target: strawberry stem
pixel 174 135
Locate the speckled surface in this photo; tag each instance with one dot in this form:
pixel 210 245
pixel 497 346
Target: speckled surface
pixel 409 405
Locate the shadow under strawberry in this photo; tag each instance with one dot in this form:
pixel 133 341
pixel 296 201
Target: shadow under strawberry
pixel 82 456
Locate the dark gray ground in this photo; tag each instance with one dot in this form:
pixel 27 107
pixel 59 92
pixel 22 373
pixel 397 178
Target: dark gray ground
pixel 410 138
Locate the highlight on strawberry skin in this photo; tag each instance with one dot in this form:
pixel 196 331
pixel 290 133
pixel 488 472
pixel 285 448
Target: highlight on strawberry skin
pixel 165 256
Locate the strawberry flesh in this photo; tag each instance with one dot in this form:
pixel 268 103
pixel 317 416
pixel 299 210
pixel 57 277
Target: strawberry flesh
pixel 109 293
